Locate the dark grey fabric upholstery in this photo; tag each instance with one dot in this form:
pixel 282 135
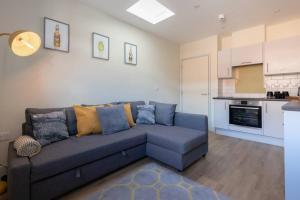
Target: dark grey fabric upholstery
pixel 57 185
pixel 192 121
pixel 174 159
pixel 68 164
pixel 70 113
pixel 164 113
pixel 18 176
pixel 73 152
pixel 177 139
pixel 112 119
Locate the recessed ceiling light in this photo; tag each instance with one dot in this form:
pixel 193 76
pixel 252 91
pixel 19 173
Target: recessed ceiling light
pixel 150 10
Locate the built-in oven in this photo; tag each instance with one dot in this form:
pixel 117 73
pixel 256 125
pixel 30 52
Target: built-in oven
pixel 246 113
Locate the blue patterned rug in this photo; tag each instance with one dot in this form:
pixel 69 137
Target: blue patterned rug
pixel 154 182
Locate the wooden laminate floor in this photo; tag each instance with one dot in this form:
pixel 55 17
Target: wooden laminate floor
pixel 239 169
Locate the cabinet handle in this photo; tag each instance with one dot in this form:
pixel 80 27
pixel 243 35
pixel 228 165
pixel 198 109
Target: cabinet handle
pixel 243 63
pixel 228 71
pixel 266 107
pixel 225 106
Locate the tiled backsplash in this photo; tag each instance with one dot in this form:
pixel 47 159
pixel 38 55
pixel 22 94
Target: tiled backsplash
pixel 288 83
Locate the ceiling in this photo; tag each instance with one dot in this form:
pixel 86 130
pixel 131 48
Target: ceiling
pixel 195 19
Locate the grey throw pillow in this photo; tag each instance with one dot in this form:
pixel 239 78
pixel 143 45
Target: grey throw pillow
pixel 49 127
pixel 146 114
pixel 112 119
pixel 164 113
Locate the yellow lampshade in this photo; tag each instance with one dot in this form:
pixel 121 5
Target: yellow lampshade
pixel 24 43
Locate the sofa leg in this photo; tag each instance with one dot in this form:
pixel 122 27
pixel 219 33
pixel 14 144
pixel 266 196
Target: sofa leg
pixel 204 156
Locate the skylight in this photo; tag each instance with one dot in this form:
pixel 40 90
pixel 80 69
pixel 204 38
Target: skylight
pixel 150 10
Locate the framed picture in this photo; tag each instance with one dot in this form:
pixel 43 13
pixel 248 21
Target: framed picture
pixel 100 46
pixel 130 53
pixel 56 35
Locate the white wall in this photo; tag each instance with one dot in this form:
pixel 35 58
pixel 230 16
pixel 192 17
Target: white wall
pixel 206 46
pixel 52 79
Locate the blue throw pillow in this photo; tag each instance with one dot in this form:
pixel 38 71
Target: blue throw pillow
pixel 112 119
pixel 146 114
pixel 49 127
pixel 164 113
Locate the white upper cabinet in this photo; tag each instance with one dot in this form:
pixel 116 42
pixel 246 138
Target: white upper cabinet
pixel 273 119
pixel 248 55
pixel 282 56
pixel 224 64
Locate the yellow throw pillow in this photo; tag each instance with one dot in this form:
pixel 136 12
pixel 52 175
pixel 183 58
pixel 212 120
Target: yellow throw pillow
pixel 127 108
pixel 87 120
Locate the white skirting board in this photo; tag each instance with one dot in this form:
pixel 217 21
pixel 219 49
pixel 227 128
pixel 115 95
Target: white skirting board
pixel 251 137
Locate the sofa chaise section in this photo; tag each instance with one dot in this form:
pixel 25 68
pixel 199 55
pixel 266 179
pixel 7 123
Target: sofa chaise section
pixel 179 145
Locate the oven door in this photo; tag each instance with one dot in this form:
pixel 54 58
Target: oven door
pixel 249 116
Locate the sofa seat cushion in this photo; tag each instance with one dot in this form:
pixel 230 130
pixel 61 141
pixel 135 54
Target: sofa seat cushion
pixel 178 139
pixel 75 152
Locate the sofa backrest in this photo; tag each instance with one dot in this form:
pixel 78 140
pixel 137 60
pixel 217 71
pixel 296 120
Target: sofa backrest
pixel 71 116
pixel 70 113
pixel 134 105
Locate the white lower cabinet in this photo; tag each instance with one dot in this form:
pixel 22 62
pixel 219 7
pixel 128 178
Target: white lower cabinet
pixel 221 114
pixel 291 154
pixel 273 119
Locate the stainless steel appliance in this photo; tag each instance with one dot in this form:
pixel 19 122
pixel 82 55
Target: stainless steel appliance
pixel 246 113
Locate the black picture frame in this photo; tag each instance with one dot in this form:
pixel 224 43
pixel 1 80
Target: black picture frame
pixel 62 23
pixel 136 56
pixel 93 40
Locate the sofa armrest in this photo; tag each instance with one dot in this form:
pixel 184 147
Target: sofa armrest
pixel 192 121
pixel 18 175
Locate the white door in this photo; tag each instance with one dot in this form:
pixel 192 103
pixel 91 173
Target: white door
pixel 221 114
pixel 195 85
pixel 273 119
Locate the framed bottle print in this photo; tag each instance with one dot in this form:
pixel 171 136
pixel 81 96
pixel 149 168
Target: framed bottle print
pixel 130 53
pixel 100 46
pixel 56 35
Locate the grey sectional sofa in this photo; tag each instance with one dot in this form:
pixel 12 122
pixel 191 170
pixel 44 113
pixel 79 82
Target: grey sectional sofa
pixel 71 163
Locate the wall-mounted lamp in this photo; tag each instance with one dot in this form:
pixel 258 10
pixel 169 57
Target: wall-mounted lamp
pixel 23 43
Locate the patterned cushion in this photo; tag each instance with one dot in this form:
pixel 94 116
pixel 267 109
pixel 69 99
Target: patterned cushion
pixel 164 113
pixel 50 127
pixel 146 114
pixel 27 146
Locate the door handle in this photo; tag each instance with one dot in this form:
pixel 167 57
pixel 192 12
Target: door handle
pixel 204 94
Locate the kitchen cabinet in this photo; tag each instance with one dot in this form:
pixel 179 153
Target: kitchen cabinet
pixel 273 119
pixel 221 114
pixel 282 56
pixel 224 64
pixel 291 154
pixel 248 55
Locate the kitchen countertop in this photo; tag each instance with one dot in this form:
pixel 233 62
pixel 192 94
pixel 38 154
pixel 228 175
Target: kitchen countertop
pixel 292 106
pixel 250 99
